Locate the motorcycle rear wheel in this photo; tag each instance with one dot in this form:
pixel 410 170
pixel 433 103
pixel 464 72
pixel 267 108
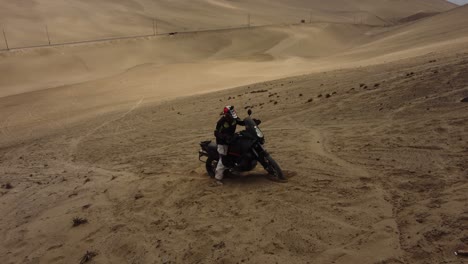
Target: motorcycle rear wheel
pixel 210 166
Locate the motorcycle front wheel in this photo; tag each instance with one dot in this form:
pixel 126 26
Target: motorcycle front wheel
pixel 273 168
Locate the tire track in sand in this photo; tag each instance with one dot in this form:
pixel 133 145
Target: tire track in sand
pixel 375 213
pixel 76 141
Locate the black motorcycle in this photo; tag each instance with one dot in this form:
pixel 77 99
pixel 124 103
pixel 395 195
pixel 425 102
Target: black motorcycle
pixel 245 151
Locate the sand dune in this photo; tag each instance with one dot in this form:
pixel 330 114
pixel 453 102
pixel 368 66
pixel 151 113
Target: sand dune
pixel 159 68
pixel 368 124
pixel 24 21
pixel 443 29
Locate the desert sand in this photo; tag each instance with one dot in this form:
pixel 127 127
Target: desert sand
pixel 366 119
pixel 25 21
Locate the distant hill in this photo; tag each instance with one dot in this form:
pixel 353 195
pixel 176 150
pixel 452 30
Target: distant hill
pixel 417 16
pixel 25 21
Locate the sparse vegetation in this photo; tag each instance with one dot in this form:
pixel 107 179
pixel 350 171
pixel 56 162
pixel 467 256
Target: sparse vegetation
pixel 88 256
pixel 77 221
pixel 259 91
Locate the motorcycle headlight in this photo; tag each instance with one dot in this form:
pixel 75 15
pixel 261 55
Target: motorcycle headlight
pixel 259 132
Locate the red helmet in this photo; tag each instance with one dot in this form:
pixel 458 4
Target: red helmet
pixel 230 112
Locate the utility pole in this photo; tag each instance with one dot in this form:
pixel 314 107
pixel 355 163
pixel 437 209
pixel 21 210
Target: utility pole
pixel 47 31
pixel 6 41
pixel 155 27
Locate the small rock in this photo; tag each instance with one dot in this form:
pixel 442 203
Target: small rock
pixel 327 96
pixel 220 245
pixel 310 100
pixel 138 196
pixel 7 186
pixel 464 100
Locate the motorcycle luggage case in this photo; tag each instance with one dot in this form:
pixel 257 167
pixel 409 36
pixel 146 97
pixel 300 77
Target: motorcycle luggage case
pixel 211 148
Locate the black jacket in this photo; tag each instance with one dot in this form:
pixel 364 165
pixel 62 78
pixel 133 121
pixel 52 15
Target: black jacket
pixel 225 130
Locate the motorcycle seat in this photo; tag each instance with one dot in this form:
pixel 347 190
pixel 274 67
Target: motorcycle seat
pixel 213 146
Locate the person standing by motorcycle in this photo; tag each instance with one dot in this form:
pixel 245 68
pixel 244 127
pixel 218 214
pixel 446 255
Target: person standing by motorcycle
pixel 224 133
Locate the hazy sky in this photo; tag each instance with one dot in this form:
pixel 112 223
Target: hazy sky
pixel 460 2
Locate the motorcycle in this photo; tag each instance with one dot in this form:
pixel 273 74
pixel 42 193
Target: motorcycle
pixel 245 152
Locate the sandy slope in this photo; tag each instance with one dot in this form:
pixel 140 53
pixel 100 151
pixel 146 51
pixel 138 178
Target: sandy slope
pixel 109 132
pixel 377 175
pixel 80 78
